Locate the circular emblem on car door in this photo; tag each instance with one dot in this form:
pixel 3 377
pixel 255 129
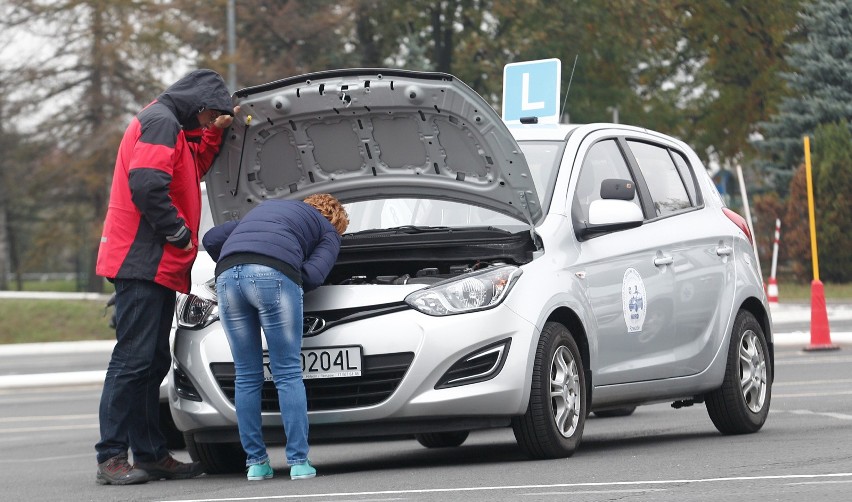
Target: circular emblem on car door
pixel 633 300
pixel 312 325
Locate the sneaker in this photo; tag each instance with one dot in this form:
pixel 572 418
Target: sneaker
pixel 259 472
pixel 118 471
pixel 169 468
pixel 302 471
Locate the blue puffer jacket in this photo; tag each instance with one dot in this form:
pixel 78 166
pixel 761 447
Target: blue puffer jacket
pixel 287 230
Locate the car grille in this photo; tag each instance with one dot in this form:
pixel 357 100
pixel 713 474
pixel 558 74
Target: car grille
pixel 380 376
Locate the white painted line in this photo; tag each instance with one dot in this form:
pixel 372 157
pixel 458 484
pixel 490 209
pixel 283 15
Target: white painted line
pixel 803 339
pixel 52 379
pixel 588 492
pixel 34 349
pixel 812 394
pixel 50 418
pixel 22 430
pixel 525 487
pixel 819 483
pixel 839 381
pixel 43 459
pixel 839 416
pixel 52 295
pixel 825 358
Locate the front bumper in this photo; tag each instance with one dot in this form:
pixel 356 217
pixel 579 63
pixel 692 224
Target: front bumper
pixel 434 343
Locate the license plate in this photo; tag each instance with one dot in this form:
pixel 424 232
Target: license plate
pixel 329 362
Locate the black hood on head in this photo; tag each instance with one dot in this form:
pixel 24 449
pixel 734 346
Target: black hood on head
pixel 197 90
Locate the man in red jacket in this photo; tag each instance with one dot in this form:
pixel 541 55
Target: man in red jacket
pixel 148 245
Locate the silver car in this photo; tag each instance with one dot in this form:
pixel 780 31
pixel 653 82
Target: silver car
pixel 516 276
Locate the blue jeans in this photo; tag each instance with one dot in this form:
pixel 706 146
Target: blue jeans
pixel 129 409
pixel 251 297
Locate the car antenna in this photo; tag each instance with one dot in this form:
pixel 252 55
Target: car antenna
pixel 569 85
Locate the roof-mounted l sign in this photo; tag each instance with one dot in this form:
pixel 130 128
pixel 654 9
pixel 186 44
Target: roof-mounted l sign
pixel 531 89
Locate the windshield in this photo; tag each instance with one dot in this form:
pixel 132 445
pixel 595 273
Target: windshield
pixel 392 213
pixel 543 158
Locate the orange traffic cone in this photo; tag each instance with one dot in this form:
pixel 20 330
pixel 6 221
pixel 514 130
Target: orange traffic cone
pixel 820 333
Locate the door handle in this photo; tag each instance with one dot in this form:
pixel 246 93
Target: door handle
pixel 663 260
pixel 724 250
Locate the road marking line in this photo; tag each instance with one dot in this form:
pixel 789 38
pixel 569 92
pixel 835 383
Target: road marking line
pixel 48 417
pixel 814 360
pixel 587 492
pixel 48 429
pixel 840 416
pixel 524 487
pixel 43 459
pixel 819 483
pixel 813 394
pixel 813 382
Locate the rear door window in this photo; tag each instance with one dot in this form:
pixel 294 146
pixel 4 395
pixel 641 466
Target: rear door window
pixel 667 187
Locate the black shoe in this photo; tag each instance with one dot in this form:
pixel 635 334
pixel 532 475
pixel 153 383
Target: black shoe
pixel 118 471
pixel 169 468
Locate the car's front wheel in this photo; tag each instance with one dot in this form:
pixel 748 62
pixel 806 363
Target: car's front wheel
pixel 553 424
pixel 441 439
pixel 217 458
pixel 741 405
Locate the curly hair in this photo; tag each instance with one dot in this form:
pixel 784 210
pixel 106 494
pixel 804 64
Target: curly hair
pixel 331 208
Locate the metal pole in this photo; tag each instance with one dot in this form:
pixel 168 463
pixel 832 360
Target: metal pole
pixel 748 217
pixel 232 46
pixel 775 248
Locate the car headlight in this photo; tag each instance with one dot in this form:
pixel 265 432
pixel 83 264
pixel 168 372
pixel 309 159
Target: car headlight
pixel 479 290
pixel 195 312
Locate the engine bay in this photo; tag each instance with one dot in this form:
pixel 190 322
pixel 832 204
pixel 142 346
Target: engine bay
pixel 426 257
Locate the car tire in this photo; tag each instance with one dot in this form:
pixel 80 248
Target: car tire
pixel 217 458
pixel 174 437
pixel 442 439
pixel 616 412
pixel 741 404
pixel 553 425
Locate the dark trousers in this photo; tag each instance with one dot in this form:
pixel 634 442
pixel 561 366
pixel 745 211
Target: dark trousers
pixel 129 409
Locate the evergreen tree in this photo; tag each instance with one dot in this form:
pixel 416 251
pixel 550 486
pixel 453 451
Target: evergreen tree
pixel 832 182
pixel 820 83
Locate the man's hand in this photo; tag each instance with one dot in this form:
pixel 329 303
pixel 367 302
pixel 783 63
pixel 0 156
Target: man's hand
pixel 224 121
pixel 188 247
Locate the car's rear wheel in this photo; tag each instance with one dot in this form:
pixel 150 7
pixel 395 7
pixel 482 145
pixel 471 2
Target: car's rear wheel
pixel 441 439
pixel 217 458
pixel 616 412
pixel 553 424
pixel 741 404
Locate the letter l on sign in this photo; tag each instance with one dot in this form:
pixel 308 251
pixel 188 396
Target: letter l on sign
pixel 525 95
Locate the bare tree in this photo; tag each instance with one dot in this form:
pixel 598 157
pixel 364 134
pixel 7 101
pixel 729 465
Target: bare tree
pixel 99 62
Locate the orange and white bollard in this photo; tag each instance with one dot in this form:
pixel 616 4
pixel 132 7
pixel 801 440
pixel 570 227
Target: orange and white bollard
pixel 772 288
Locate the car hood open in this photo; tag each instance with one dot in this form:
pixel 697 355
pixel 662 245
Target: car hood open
pixel 363 134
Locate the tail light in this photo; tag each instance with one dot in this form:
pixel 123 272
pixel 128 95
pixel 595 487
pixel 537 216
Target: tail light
pixel 740 222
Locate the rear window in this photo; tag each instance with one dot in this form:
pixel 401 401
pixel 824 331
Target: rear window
pixel 663 178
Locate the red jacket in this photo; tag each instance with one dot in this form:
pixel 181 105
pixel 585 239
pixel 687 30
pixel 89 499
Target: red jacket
pixel 155 200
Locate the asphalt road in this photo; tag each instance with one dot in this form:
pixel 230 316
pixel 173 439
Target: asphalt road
pixel 804 452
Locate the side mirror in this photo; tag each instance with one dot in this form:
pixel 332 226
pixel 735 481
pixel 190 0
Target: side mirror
pixel 618 189
pixel 609 215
